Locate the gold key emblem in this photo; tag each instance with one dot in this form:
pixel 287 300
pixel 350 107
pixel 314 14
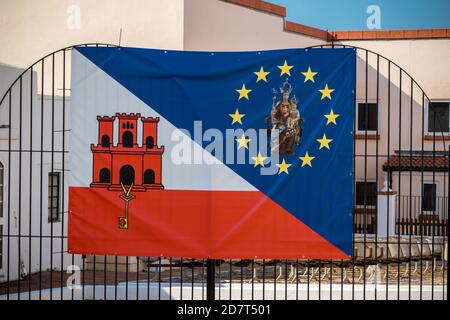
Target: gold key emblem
pixel 127 197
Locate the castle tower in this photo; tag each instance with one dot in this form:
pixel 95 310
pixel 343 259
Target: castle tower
pixel 150 132
pixel 105 131
pixel 128 129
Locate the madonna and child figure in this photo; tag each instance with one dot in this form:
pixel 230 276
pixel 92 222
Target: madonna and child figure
pixel 284 122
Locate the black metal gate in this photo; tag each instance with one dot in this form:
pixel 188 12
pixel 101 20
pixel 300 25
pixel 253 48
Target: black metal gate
pixel 401 185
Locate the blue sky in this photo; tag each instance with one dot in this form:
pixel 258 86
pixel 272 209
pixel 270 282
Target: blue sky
pixel 351 14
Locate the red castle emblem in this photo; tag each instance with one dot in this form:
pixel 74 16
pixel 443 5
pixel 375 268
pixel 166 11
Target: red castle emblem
pixel 127 166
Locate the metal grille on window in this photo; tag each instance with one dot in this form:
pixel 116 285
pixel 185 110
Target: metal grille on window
pixel 53 196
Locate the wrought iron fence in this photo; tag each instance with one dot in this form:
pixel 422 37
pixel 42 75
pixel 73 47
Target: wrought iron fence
pixel 395 256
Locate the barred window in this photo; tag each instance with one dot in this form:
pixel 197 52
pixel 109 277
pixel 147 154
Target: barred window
pixel 438 117
pixel 53 196
pixel 366 193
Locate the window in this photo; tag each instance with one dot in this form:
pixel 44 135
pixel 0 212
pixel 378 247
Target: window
pixel 2 179
pixel 367 116
pixel 429 197
pixel 105 175
pixel 127 139
pixel 105 141
pixel 149 176
pixel 53 196
pixel 127 175
pixel 370 198
pixel 149 142
pixel 438 117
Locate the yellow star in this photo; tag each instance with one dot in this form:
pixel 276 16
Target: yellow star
pixel 243 92
pixel 261 75
pixel 306 160
pixel 285 68
pixel 324 142
pixel 237 117
pixel 259 160
pixel 331 117
pixel 243 142
pixel 326 92
pixel 309 75
pixel 283 167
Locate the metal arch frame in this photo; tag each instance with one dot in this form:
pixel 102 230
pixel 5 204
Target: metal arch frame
pixel 333 46
pixel 49 55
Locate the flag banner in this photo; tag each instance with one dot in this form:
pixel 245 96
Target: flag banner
pixel 244 155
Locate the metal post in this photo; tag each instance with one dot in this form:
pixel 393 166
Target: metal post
pixel 210 279
pixel 448 209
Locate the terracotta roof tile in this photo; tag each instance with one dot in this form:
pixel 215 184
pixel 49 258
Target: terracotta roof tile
pixel 406 162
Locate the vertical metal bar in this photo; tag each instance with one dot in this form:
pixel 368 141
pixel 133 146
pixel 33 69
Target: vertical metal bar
pixel 447 224
pixel 19 239
pixel 9 201
pixel 181 279
pixel 376 164
pixel 52 177
pixel 353 173
pixel 159 278
pixel 231 277
pixel 253 279
pixel 63 173
pixel 41 180
pixel 115 277
pixel 170 278
pixel 434 207
pixel 389 182
pixel 410 186
pixel 126 276
pixel 285 279
pixel 31 185
pixel 220 278
pixel 242 279
pixel 399 179
pixel 307 286
pixel 421 195
pixel 366 116
pixel 148 278
pixel 264 279
pixel 296 278
pixel 210 279
pixel 192 280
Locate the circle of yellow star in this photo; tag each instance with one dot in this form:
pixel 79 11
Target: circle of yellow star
pixel 259 160
pixel 283 167
pixel 243 142
pixel 285 68
pixel 306 160
pixel 243 92
pixel 326 92
pixel 237 117
pixel 261 74
pixel 324 142
pixel 309 75
pixel 331 117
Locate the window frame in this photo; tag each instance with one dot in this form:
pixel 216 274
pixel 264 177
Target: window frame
pixel 359 206
pixel 51 217
pixel 363 101
pixel 427 109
